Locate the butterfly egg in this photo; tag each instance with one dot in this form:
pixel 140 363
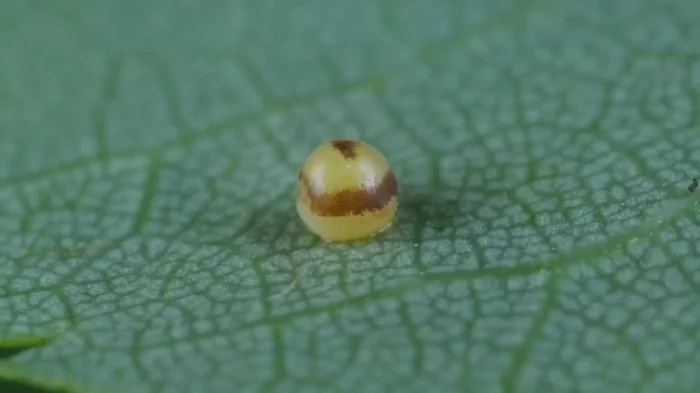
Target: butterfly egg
pixel 346 191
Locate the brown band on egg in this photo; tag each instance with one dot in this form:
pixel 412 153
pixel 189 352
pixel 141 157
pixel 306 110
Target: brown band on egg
pixel 351 202
pixel 346 147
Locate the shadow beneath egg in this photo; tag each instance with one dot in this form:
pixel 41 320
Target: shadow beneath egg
pixel 419 210
pixel 448 212
pixel 275 225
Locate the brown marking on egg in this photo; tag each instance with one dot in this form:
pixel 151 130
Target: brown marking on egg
pixel 353 201
pixel 346 147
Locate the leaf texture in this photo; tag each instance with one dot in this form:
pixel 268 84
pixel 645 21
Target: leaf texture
pixel 545 242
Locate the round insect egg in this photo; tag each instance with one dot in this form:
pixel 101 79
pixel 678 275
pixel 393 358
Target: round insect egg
pixel 346 191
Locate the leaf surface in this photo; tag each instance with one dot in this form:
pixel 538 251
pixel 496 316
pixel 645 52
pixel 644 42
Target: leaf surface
pixel 546 241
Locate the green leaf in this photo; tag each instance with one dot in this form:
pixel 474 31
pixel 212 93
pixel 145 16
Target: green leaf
pixel 545 242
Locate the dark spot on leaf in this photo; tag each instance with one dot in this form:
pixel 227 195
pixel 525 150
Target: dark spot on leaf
pixel 693 186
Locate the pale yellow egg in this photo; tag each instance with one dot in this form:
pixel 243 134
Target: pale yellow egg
pixel 346 191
